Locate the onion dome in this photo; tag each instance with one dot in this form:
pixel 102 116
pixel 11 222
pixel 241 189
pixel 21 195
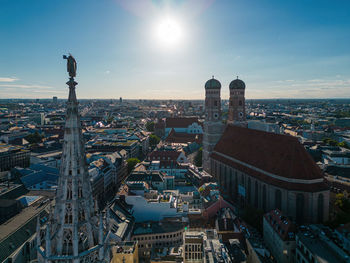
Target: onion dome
pixel 213 84
pixel 237 84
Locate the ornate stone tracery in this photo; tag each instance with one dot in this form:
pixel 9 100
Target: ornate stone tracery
pixel 72 235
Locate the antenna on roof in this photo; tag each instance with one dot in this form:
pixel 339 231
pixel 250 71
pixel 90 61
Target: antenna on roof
pixel 213 76
pixel 237 77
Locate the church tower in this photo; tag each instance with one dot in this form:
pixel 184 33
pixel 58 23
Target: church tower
pixel 75 230
pixel 236 111
pixel 213 126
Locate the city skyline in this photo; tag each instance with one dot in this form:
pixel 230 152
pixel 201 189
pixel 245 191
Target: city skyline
pixel 280 50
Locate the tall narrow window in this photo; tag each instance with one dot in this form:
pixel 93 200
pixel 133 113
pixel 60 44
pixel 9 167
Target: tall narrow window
pixel 320 208
pixel 264 198
pixel 249 190
pixel 299 208
pixel 256 195
pixel 278 199
pixel 231 183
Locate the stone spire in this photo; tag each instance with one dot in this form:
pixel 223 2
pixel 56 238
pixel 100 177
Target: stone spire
pixel 75 232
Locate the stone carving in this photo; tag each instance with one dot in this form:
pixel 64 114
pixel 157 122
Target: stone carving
pixel 71 65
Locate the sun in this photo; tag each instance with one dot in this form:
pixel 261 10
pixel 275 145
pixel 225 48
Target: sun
pixel 168 32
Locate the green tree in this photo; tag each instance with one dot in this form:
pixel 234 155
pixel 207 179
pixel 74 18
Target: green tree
pixel 150 126
pixel 344 144
pixel 198 158
pixel 330 141
pixel 34 137
pixel 132 163
pixel 339 200
pixel 342 211
pixel 153 140
pixel 110 119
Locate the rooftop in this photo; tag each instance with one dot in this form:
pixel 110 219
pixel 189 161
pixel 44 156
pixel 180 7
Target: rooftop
pixel 246 149
pixel 180 122
pixel 147 228
pixel 323 248
pixel 23 217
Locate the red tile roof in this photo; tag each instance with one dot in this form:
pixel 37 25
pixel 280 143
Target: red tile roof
pixel 280 155
pixel 280 224
pixel 179 137
pixel 164 155
pixel 180 122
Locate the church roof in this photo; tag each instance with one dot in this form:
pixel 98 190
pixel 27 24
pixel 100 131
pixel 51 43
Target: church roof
pixel 274 158
pixel 180 122
pixel 182 137
pixel 237 84
pixel 213 84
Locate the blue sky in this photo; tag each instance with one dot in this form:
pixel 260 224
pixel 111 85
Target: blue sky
pixel 281 49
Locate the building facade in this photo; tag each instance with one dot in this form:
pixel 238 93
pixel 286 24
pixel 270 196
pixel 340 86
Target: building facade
pixel 12 156
pixel 150 235
pixel 257 168
pixel 125 252
pixel 193 246
pixel 279 236
pixel 213 125
pixel 236 110
pixel 268 171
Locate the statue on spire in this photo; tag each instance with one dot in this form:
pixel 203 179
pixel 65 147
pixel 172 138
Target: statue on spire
pixel 71 65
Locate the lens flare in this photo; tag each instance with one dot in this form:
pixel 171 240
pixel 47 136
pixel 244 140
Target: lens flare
pixel 168 32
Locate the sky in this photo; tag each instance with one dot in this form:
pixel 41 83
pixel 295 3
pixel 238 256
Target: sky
pixel 280 49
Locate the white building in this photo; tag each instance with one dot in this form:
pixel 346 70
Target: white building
pixel 156 207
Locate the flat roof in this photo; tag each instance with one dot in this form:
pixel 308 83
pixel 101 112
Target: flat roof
pixel 22 218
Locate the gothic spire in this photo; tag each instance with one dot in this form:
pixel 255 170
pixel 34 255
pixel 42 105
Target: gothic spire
pixel 74 229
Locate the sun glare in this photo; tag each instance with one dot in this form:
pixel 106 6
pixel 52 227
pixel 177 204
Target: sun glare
pixel 168 32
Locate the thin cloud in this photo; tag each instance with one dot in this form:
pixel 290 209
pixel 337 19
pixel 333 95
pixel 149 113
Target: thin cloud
pixel 21 86
pixel 310 88
pixel 4 79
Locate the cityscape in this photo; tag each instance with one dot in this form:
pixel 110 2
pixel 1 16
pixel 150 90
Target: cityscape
pixel 98 168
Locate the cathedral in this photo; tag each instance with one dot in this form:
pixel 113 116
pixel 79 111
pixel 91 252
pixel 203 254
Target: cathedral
pixel 257 168
pixel 75 231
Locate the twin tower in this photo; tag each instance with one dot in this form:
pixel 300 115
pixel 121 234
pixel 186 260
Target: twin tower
pixel 213 125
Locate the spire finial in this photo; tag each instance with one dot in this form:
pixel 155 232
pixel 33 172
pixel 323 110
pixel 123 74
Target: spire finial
pixel 213 76
pixel 237 77
pixel 71 65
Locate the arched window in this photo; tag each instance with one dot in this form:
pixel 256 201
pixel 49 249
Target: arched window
pixel 231 183
pixel 249 190
pixel 221 181
pixel 278 199
pixel 236 185
pixel 320 208
pixel 215 170
pixel 264 197
pixel 299 208
pixel 256 195
pixel 226 179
